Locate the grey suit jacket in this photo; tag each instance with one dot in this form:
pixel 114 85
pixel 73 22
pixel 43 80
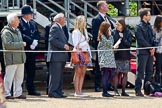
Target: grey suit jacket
pixel 57 40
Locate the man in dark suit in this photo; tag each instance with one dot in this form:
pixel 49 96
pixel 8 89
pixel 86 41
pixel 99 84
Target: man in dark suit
pixel 101 16
pixel 145 38
pixel 57 60
pixel 31 36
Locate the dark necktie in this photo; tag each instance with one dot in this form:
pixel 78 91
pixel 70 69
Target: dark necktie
pixel 28 24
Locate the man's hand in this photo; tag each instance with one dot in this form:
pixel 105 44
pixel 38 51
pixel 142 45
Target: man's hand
pixel 66 47
pixel 152 51
pixel 35 42
pixel 24 43
pixel 121 35
pixel 32 47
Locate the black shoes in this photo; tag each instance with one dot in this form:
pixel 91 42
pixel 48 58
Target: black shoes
pixel 107 95
pixel 57 96
pixel 139 94
pixel 35 93
pixel 97 89
pixel 21 97
pixel 10 97
pixel 124 94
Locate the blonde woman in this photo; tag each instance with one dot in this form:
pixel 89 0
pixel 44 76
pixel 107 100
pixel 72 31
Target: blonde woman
pixel 80 41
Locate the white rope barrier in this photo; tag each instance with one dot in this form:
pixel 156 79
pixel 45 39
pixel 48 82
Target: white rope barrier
pixel 131 49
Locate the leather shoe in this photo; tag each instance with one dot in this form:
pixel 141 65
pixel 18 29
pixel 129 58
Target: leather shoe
pixel 9 97
pixel 63 96
pixel 139 94
pixel 21 97
pixel 97 89
pixel 107 95
pixel 146 93
pixel 57 96
pixel 35 93
pixel 61 93
pixel 124 94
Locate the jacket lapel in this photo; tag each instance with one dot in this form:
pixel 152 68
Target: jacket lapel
pixel 62 31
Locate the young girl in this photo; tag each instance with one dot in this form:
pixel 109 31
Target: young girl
pixel 80 42
pixel 106 58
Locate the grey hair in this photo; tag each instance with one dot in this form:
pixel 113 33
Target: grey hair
pixel 58 16
pixel 11 17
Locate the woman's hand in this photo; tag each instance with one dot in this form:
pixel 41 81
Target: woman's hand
pixel 87 40
pixel 121 35
pixel 78 48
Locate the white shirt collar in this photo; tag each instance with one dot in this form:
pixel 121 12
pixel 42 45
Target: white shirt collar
pixel 25 20
pixel 103 15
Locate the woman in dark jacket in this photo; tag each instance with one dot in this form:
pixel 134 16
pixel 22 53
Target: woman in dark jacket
pixel 122 57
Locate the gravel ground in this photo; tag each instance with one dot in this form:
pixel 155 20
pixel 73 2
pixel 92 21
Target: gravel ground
pixel 95 100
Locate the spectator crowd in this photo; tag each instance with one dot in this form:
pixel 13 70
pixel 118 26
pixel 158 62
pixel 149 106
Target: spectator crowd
pixel 21 35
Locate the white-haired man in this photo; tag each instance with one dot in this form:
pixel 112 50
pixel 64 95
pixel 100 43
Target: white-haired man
pixel 57 60
pixel 14 61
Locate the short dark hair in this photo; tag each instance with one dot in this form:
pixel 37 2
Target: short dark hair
pixel 143 11
pixel 100 3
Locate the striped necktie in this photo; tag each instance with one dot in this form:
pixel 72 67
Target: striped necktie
pixel 105 18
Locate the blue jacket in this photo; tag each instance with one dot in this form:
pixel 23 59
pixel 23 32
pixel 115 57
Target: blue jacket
pixel 29 34
pixel 145 37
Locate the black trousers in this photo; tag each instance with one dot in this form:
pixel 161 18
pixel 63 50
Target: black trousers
pixel 144 68
pixel 97 73
pixel 55 78
pixel 30 71
pixel 158 64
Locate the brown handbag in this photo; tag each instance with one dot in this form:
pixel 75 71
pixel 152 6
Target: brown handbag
pixel 78 57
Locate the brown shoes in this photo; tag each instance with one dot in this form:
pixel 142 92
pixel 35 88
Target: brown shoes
pixel 139 94
pixel 21 97
pixel 9 97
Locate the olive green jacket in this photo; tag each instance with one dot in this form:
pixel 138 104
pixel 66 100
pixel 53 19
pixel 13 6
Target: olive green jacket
pixel 12 40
